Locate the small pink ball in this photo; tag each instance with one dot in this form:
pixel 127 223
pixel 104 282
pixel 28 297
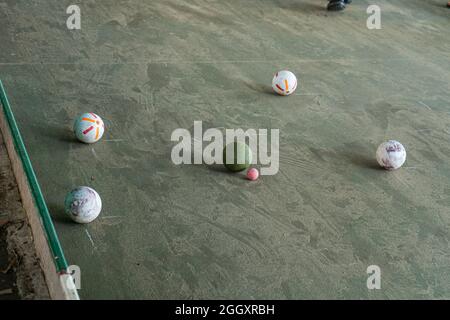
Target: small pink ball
pixel 252 174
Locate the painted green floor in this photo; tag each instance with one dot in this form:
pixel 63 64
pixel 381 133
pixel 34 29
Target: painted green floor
pixel 166 231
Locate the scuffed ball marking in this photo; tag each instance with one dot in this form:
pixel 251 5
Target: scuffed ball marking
pixel 391 155
pixel 83 204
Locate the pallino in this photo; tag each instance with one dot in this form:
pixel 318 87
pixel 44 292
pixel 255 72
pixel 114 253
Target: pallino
pixel 189 150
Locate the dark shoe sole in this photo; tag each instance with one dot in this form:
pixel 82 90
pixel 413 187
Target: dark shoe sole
pixel 336 6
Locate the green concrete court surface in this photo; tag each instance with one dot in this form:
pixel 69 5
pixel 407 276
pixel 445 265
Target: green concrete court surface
pixel 194 231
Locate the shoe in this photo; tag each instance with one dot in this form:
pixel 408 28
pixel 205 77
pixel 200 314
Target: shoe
pixel 336 5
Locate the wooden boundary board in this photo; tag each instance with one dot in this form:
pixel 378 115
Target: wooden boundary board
pixel 49 251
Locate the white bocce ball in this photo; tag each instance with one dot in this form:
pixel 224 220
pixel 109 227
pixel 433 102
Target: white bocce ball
pixel 284 83
pixel 89 127
pixel 83 204
pixel 391 155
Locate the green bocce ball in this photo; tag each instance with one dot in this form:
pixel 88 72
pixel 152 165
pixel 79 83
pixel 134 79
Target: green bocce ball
pixel 242 157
